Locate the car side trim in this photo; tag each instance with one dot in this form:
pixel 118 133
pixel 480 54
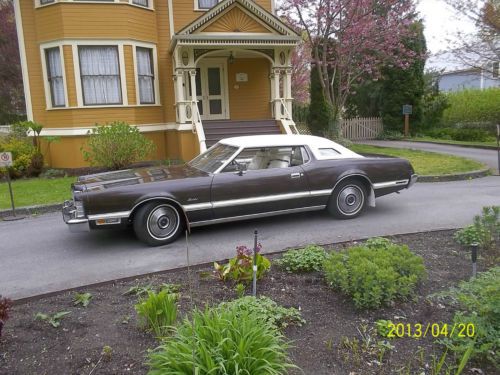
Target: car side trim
pixel 254 216
pixel 388 184
pixel 111 215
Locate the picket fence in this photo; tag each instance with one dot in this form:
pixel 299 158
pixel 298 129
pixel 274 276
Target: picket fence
pixel 361 128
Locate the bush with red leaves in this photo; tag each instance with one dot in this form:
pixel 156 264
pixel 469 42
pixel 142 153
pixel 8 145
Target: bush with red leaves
pixel 5 305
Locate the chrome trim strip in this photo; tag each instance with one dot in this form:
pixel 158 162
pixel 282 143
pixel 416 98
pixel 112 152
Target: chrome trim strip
pixel 264 199
pixel 112 215
pixel 413 179
pixel 388 184
pixel 319 193
pixel 197 207
pixel 253 216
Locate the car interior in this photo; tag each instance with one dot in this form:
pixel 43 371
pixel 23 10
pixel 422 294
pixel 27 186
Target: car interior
pixel 268 158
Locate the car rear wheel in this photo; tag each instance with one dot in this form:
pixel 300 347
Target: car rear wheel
pixel 158 223
pixel 348 200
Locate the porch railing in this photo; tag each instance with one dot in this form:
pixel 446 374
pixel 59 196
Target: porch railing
pixel 286 118
pixel 198 126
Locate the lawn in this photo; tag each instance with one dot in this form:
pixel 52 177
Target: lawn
pixel 425 163
pixel 30 192
pixel 452 142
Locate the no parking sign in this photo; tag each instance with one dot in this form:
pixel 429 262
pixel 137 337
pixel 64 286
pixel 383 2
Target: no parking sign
pixel 5 159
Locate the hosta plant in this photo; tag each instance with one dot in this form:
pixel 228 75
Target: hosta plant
pixel 240 268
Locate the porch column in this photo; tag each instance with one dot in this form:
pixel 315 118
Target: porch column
pixel 179 96
pixel 273 95
pixel 277 95
pixel 288 91
pixel 192 75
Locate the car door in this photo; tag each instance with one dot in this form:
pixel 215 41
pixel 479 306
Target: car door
pixel 272 182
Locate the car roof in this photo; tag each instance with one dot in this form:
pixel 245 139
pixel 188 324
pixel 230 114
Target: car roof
pixel 280 140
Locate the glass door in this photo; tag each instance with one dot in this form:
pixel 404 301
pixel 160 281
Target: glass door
pixel 213 95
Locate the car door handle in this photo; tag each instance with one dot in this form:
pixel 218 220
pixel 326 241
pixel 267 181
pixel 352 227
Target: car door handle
pixel 296 175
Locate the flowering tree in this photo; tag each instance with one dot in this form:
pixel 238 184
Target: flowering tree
pixel 351 40
pixel 482 49
pixel 300 73
pixel 11 82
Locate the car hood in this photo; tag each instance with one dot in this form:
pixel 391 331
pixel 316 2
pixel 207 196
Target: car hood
pixel 136 176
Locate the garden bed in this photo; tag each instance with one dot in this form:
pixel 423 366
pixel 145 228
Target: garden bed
pixel 31 346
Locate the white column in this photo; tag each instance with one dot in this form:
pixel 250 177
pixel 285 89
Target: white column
pixel 277 95
pixel 288 91
pixel 192 75
pixel 179 96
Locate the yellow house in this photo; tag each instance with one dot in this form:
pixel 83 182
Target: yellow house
pixel 185 72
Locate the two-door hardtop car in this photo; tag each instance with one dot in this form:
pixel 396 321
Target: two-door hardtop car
pixel 237 178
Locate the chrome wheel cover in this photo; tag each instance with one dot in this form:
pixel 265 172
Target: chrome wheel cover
pixel 162 222
pixel 350 200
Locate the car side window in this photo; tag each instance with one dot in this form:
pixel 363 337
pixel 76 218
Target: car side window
pixel 328 152
pixel 268 158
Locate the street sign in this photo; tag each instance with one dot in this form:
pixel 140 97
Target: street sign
pixel 407 109
pixel 5 159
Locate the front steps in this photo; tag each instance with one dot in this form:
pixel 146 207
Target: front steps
pixel 215 130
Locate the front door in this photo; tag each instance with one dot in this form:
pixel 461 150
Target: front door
pixel 211 90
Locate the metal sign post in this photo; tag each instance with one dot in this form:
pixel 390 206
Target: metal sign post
pixel 498 147
pixel 6 161
pixel 407 111
pixel 254 278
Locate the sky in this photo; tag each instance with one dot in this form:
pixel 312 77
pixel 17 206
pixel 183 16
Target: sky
pixel 441 24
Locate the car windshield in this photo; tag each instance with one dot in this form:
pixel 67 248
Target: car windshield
pixel 214 158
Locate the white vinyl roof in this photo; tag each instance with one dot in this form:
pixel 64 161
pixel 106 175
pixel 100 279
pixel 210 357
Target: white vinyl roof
pixel 319 146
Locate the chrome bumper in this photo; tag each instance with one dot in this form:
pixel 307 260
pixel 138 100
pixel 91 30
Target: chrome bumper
pixel 413 179
pixel 75 218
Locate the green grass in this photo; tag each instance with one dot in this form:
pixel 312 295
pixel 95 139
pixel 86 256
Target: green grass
pixel 35 191
pixel 452 142
pixel 425 163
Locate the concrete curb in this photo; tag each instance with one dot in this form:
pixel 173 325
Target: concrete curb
pixel 43 209
pixel 32 210
pixel 484 147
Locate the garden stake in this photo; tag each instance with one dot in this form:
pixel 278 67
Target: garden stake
pixel 473 255
pixel 254 283
pixel 498 147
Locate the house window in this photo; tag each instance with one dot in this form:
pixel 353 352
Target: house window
pixel 145 75
pixel 496 69
pixel 143 3
pixel 206 4
pixel 100 75
pixel 55 76
pixel 43 2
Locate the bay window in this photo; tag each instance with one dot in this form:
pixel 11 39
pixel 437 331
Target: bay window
pixel 145 75
pixel 55 76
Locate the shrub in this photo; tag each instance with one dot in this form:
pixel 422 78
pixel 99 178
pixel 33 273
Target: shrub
pixel 5 306
pixel 473 106
pixel 376 273
pixel 240 268
pixel 390 135
pixel 267 310
pixel 116 145
pixel 485 231
pixel 478 302
pixel 222 341
pixel 433 106
pixel 459 134
pixel 308 259
pixel 158 312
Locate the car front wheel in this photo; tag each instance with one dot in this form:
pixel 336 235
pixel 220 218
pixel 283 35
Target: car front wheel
pixel 158 223
pixel 348 200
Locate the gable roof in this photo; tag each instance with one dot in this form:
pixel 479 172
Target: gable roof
pixel 261 15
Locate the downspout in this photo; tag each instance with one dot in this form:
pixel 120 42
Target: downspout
pixel 171 18
pixel 24 63
pixel 273 7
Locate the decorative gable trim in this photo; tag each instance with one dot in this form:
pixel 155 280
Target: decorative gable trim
pixel 263 15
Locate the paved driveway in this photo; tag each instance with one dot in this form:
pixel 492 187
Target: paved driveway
pixel 39 255
pixel 488 157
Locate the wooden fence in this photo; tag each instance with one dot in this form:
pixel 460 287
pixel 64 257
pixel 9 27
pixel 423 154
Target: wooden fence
pixel 361 128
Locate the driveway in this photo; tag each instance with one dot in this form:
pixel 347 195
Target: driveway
pixel 39 255
pixel 488 157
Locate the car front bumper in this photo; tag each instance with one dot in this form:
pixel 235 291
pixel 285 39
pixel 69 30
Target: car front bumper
pixel 413 179
pixel 74 216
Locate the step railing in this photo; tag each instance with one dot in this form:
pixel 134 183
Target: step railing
pixel 198 126
pixel 286 119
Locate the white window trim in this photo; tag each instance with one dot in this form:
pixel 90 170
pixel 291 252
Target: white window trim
pixel 155 72
pixel 78 79
pixel 150 6
pixel 198 9
pixel 46 83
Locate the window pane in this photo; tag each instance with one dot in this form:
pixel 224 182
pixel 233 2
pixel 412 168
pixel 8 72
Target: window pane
pixel 214 81
pixel 43 2
pixel 143 3
pixel 100 74
pixel 215 107
pixel 207 4
pixel 145 74
pixel 55 77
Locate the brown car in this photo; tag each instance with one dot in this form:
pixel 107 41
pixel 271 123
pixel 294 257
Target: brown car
pixel 237 178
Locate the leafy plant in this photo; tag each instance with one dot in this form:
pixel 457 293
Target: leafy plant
pixel 376 273
pixel 308 259
pixel 116 145
pixel 222 341
pixel 82 299
pixel 158 312
pixel 5 306
pixel 485 230
pixel 54 320
pixel 383 328
pixel 240 290
pixel 240 268
pixel 267 310
pixel 478 304
pixel 142 290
